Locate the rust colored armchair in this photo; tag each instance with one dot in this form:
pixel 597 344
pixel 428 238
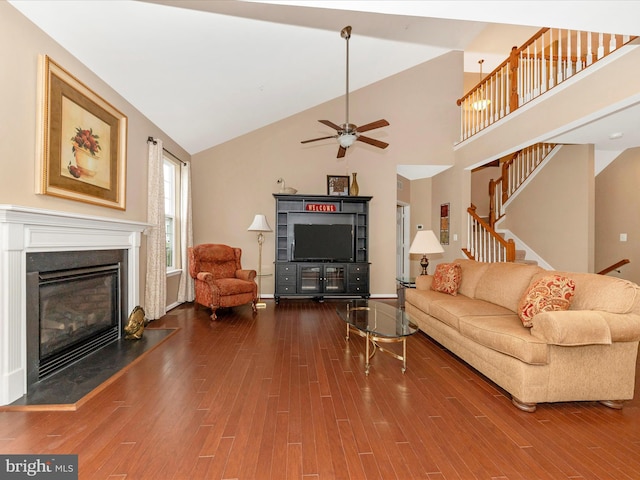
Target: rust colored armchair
pixel 219 278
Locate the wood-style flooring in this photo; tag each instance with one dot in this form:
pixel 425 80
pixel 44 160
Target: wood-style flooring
pixel 281 395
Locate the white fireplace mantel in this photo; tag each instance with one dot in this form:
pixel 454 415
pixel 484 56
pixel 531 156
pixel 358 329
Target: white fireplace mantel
pixel 26 230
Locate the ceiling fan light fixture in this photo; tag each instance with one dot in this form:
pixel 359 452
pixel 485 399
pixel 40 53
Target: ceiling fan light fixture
pixel 347 139
pixel 482 104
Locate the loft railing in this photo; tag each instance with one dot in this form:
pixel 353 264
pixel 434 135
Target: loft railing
pixel 515 170
pixel 484 244
pixel 550 57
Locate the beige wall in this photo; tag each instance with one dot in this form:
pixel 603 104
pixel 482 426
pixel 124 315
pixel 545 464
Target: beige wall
pixel 234 181
pixel 20 44
pixel 404 190
pixel 420 214
pixel 480 188
pixel 618 211
pixel 554 214
pixel 453 186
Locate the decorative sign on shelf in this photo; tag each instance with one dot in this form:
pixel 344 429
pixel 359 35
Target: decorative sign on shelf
pixel 320 207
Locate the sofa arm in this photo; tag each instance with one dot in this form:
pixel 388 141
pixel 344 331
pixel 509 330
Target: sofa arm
pixel 423 282
pixel 246 274
pixel 571 327
pixel 624 327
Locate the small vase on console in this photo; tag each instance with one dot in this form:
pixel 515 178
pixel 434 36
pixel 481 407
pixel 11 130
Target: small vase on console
pixel 355 189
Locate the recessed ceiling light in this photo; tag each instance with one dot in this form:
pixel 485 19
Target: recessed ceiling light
pixel 616 135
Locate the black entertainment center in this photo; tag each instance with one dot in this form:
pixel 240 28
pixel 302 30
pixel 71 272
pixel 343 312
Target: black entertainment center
pixel 322 246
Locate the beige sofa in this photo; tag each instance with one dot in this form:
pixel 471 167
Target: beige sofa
pixel 585 353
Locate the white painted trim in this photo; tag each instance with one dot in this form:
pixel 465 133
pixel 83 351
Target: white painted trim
pixel 26 230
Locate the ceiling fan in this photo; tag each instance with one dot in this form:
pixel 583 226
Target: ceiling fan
pixel 348 133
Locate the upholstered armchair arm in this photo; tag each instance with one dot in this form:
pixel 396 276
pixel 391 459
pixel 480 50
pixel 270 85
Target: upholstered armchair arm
pixel 206 277
pixel 246 274
pixel 423 282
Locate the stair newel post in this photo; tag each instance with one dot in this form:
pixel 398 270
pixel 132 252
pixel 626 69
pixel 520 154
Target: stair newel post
pixel 511 250
pixel 492 203
pixel 505 180
pixel 513 75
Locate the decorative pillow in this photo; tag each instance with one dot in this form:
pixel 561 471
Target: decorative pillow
pixel 446 278
pixel 550 293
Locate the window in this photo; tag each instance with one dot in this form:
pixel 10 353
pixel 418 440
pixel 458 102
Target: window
pixel 171 172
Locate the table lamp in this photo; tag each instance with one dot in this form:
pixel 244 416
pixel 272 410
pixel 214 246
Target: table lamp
pixel 425 243
pixel 260 225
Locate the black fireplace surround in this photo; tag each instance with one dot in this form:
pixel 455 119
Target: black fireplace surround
pixel 75 305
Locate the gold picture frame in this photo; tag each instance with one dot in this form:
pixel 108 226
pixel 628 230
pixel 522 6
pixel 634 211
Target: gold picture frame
pixel 83 141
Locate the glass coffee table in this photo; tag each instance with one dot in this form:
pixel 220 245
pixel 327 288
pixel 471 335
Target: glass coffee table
pixel 379 323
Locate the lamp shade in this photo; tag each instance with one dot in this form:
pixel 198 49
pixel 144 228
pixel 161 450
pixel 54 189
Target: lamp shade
pixel 259 224
pixel 347 139
pixel 425 242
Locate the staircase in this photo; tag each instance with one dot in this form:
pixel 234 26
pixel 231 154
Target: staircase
pixel 484 243
pixel 549 58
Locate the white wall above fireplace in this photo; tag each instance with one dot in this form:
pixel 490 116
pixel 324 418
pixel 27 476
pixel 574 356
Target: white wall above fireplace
pixel 27 230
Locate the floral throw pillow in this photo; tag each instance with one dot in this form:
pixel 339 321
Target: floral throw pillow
pixel 446 278
pixel 550 293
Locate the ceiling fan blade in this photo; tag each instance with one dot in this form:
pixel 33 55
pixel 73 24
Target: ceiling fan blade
pixel 341 152
pixel 330 124
pixel 316 139
pixel 372 141
pixel 372 125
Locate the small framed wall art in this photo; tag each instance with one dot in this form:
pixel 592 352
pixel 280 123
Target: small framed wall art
pixel 83 144
pixel 338 185
pixel 444 224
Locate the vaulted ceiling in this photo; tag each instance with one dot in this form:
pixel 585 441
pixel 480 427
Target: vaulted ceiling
pixel 207 71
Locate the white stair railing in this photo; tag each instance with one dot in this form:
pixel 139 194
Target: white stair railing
pixel 515 172
pixel 549 58
pixel 484 244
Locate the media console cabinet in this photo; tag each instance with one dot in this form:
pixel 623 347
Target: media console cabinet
pixel 320 275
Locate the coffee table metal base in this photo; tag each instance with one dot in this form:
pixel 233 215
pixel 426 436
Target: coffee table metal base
pixel 373 345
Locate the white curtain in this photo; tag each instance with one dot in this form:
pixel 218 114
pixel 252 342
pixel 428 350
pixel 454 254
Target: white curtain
pixel 155 297
pixel 186 289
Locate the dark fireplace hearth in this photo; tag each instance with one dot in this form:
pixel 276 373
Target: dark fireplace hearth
pixel 75 306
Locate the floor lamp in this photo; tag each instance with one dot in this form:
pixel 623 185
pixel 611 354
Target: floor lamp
pixel 260 225
pixel 425 243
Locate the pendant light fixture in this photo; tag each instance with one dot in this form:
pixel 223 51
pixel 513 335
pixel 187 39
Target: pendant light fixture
pixel 481 103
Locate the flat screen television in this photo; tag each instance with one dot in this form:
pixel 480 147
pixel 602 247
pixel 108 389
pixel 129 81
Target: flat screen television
pixel 327 243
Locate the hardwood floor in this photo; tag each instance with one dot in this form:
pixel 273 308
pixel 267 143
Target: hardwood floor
pixel 282 396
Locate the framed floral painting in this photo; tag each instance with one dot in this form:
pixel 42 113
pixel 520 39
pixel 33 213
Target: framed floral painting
pixel 83 141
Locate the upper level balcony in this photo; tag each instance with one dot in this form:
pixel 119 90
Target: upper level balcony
pixel 562 86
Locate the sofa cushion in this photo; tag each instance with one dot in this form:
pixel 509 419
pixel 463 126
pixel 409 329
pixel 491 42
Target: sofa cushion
pixel 547 294
pixel 423 299
pixel 449 310
pixel 446 278
pixel 503 283
pixel 506 334
pixel 471 273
